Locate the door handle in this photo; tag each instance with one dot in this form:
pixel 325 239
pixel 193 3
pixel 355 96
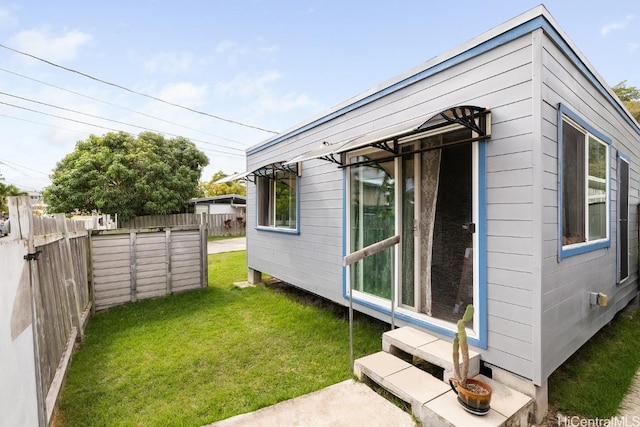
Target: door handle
pixel 469 227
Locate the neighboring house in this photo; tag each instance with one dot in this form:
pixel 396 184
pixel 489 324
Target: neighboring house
pixel 509 169
pixel 227 204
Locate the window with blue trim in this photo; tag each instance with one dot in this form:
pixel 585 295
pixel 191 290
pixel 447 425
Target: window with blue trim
pixel 585 186
pixel 277 200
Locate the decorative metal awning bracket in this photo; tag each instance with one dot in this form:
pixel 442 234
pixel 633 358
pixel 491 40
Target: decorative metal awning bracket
pixel 292 168
pixel 465 116
pixel 270 171
pixel 331 158
pixel 384 145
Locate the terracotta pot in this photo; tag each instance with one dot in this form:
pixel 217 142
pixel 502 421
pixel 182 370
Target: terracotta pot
pixel 476 403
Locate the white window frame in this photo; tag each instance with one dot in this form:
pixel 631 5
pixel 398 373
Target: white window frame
pixel 566 116
pixel 272 197
pixel 622 159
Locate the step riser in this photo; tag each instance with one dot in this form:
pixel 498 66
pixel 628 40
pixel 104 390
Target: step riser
pixel 432 400
pixel 428 348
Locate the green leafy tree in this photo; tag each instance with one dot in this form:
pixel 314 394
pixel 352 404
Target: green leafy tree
pixel 7 190
pixel 130 176
pixel 630 96
pixel 211 189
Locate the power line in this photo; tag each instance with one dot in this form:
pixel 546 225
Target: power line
pixel 88 124
pixel 138 93
pixel 8 163
pixel 119 106
pixel 112 120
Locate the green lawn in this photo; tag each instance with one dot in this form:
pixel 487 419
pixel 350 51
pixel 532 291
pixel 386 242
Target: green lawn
pixel 593 382
pixel 216 238
pixel 202 356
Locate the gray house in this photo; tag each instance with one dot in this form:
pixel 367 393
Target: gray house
pixel 508 168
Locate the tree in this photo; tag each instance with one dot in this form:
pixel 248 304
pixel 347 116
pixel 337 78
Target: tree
pixel 211 189
pixel 7 190
pixel 626 93
pixel 630 96
pixel 130 176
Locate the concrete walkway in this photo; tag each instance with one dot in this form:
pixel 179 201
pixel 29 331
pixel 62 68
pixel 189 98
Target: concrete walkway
pixel 227 245
pixel 630 406
pixel 346 404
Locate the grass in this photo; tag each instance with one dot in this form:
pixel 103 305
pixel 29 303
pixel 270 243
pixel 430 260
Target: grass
pixel 593 382
pixel 201 356
pixel 216 238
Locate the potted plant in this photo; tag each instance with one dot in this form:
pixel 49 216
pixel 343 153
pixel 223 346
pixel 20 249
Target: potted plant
pixel 474 395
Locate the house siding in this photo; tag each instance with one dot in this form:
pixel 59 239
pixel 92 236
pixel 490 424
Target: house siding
pixel 568 320
pixel 537 306
pixel 312 260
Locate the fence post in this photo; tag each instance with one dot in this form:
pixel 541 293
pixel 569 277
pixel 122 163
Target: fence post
pixel 73 298
pixel 21 218
pixel 167 246
pixel 134 267
pixel 204 254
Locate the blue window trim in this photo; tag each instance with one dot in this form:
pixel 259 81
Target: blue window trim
pixel 292 231
pixel 481 305
pixel 564 111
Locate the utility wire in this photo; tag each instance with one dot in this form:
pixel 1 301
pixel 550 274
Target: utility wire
pixel 114 121
pixel 136 92
pixel 8 163
pixel 91 124
pixel 119 106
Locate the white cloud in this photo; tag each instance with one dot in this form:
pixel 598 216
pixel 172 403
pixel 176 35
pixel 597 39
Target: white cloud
pixel 41 42
pixel 248 85
pixel 7 19
pixel 184 93
pixel 264 97
pixel 170 62
pixel 270 49
pixel 616 25
pixel 231 50
pixel 632 47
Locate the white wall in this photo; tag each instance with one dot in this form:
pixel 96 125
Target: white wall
pixel 18 401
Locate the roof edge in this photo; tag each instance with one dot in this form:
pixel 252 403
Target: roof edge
pixel 527 22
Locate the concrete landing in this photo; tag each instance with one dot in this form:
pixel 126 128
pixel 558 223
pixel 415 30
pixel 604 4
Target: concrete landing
pixel 426 347
pixel 345 404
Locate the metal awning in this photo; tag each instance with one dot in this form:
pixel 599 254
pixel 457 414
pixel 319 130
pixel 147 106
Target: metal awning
pixel 268 171
pixel 234 177
pixel 325 151
pixel 381 138
pixel 476 119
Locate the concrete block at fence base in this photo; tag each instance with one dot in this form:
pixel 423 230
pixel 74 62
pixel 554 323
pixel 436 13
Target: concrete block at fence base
pixel 255 276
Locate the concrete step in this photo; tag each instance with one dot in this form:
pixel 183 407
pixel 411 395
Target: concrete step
pixel 508 408
pixel 433 402
pixel 401 378
pixel 409 341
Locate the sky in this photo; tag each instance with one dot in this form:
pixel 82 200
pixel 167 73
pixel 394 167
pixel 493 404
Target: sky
pixel 247 67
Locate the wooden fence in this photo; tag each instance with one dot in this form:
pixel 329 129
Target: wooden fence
pixel 129 265
pixel 217 224
pixel 57 257
pixel 45 264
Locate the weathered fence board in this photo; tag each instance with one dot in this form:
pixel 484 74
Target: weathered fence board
pixel 133 264
pixel 217 224
pixel 58 289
